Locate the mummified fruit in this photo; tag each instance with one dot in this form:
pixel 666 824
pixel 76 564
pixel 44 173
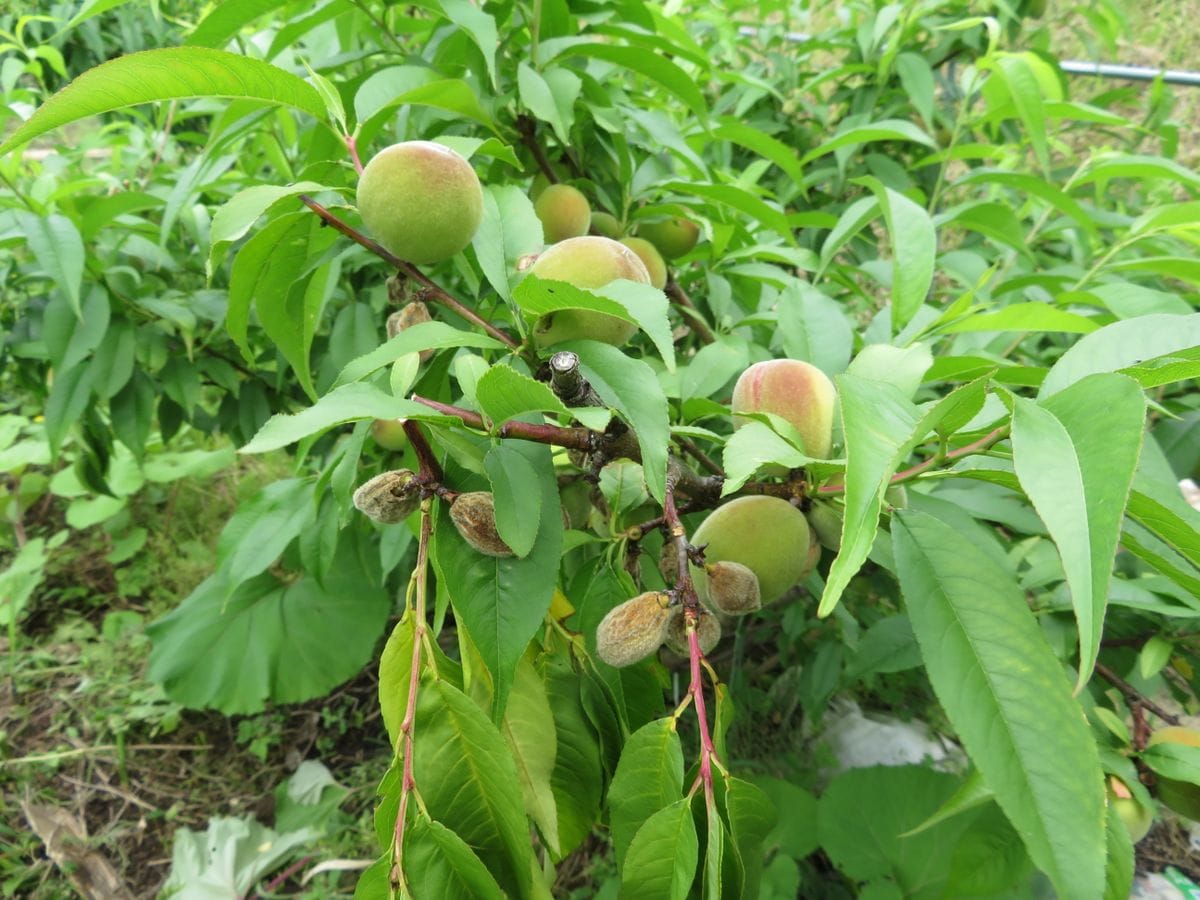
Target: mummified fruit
pixel 474 515
pixel 732 588
pixel 634 629
pixel 420 200
pixel 389 498
pixel 564 213
pixel 415 313
pixel 767 535
pixel 708 631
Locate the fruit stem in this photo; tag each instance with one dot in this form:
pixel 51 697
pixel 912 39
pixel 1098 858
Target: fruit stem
pixel 435 293
pixel 352 147
pixel 407 727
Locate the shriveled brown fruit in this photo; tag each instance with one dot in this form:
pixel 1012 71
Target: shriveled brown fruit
pixel 420 200
pixel 474 515
pixel 732 588
pixel 389 498
pixel 411 314
pixel 564 213
pixel 634 629
pixel 708 632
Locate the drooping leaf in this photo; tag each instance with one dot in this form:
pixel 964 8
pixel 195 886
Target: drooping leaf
pixel 649 778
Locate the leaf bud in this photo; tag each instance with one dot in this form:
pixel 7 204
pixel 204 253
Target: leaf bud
pixel 634 629
pixel 733 588
pixel 708 631
pixel 389 498
pixel 474 515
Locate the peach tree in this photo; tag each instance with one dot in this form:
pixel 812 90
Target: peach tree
pixel 657 381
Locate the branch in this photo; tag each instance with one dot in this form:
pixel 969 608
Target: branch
pixel 434 292
pixel 571 438
pixel 528 131
pixel 1133 695
pixel 684 302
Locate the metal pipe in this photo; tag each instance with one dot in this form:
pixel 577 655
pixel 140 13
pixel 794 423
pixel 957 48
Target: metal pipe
pixel 1070 66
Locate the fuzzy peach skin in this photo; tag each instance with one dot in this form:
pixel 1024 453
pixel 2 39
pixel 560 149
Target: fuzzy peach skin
pixel 793 390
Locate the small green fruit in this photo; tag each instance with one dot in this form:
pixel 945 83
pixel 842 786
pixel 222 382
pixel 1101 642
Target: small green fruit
pixel 564 212
pixel 673 237
pixel 389 434
pixel 634 629
pixel 420 200
pixel 539 184
pixel 474 515
pixel 794 390
pixel 650 258
pixel 1136 818
pixel 586 262
pixel 826 522
pixel 605 225
pixel 1181 796
pixel 767 535
pixel 389 498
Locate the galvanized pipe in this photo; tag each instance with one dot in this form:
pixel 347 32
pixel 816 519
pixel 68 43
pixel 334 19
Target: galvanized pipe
pixel 1070 66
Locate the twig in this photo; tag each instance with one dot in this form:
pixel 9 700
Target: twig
pixel 689 447
pixel 434 292
pixel 571 438
pixel 528 131
pixel 430 470
pixel 284 876
pixel 1133 695
pixel 99 748
pixel 352 149
pixel 568 383
pixel 684 302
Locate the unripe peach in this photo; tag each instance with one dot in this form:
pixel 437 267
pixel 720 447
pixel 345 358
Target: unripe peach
pixel 767 535
pixel 389 434
pixel 605 225
pixel 389 498
pixel 564 212
pixel 1137 818
pixel 673 237
pixel 1181 796
pixel 634 629
pixel 814 552
pixel 586 262
pixel 474 515
pixel 420 200
pixel 650 258
pixel 708 632
pixel 826 522
pixel 732 588
pixel 793 390
pixel 540 183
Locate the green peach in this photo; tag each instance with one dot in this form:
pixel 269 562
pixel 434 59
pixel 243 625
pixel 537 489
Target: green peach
pixel 673 237
pixel 586 262
pixel 389 434
pixel 767 535
pixel 650 258
pixel 420 200
pixel 564 212
pixel 1181 796
pixel 793 390
pixel 1136 818
pixel 605 225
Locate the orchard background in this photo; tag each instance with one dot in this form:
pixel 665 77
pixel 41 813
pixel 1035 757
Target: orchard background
pixel 222 679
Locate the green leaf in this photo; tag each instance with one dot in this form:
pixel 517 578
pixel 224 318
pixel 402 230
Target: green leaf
pixel 261 529
pixel 629 386
pixel 538 98
pixel 395 669
pixel 417 86
pixel 751 447
pixel 200 648
pixel 751 815
pixel 737 132
pixel 1025 317
pixel 1026 93
pixel 227 19
pixel 517 493
pixel 20 579
pixel 883 130
pixel 501 602
pixel 914 249
pixel 661 860
pixel 235 216
pixel 510 229
pixel 341 405
pixel 903 367
pixel 528 727
pixel 422 336
pixel 1119 867
pixel 58 249
pixel 578 776
pixel 439 863
pixel 479 26
pixel 649 777
pixel 468 781
pixel 1122 344
pixel 1019 724
pixel 503 393
pixel 1174 760
pixel 653 66
pixel 1075 459
pixel 813 328
pixel 68 399
pixel 1141 168
pixel 169 73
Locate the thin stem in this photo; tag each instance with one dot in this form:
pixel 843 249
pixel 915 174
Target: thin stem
pixel 684 302
pixel 528 131
pixel 434 292
pixel 408 726
pixel 352 148
pixel 571 438
pixel 689 447
pixel 1133 695
pixel 430 470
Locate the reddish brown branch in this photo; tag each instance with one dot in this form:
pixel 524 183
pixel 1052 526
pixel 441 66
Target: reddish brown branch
pixel 430 470
pixel 1133 695
pixel 528 131
pixel 433 291
pixel 571 438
